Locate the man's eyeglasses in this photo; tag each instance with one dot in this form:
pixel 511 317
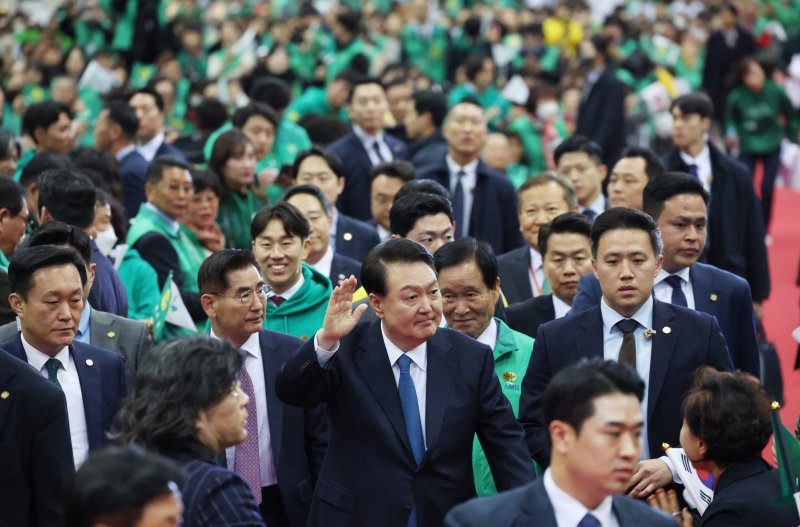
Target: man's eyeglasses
pixel 246 298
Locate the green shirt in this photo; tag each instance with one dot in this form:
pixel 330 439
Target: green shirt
pixel 313 102
pixel 141 283
pixel 234 217
pixel 756 118
pixel 427 54
pixel 302 314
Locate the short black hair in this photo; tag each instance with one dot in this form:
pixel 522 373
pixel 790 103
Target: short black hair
pixel 114 485
pixel 243 114
pixel 272 91
pixel 350 19
pixel 425 186
pixel 579 143
pixel 212 277
pixel 25 262
pixel 432 102
pixel 155 172
pixel 653 166
pixel 40 163
pixel 42 115
pixel 311 190
pixel 69 197
pixel 469 99
pixel 153 93
pixel 567 223
pixel 395 169
pixel 670 184
pixel 294 223
pixel 625 218
pixel 396 250
pixel 407 210
pixel 570 394
pixel 466 250
pixel 211 113
pixel 331 159
pixel 59 233
pixel 695 102
pixel 363 81
pixel 203 180
pixel 11 195
pixel 119 112
pixel 474 63
pixel 102 168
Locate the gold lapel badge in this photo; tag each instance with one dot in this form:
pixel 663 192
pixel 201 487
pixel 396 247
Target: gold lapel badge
pixel 111 334
pixel 5 395
pixel 713 297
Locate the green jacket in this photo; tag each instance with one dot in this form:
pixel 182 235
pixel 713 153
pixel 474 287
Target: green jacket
pixel 313 101
pixel 512 352
pixel 302 315
pixel 141 282
pixel 234 217
pixel 429 55
pixel 3 262
pixel 756 118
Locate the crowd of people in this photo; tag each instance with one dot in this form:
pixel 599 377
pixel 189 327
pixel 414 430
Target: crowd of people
pixel 335 263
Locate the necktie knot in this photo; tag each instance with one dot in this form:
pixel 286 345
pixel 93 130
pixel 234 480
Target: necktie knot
pixel 589 213
pixel 52 365
pixel 674 281
pixel 627 325
pixel 589 521
pixel 277 300
pixel 404 362
pixel 694 170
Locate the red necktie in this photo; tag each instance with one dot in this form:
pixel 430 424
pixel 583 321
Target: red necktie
pixel 278 300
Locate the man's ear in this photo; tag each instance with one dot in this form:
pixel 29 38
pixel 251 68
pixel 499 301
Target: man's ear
pixel 561 436
pixel 375 304
pixel 15 301
pixel 208 303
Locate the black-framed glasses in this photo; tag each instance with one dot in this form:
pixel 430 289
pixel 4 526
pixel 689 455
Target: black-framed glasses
pixel 246 298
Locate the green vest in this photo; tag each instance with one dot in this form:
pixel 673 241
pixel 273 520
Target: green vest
pixel 141 282
pixel 234 218
pixel 3 263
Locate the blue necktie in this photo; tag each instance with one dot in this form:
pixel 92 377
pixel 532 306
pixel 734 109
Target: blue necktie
pixel 408 401
pixel 676 282
pixel 458 206
pixel 694 170
pixel 52 366
pixel 589 213
pixel 589 521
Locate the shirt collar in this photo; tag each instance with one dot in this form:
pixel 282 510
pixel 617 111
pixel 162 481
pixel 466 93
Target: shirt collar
pixel 598 205
pixel 470 168
pixel 568 510
pixel 383 234
pixel 662 275
pixel 418 355
pixel 173 225
pixel 365 138
pixel 286 295
pixel 324 263
pixel 334 222
pixel 536 259
pixel 251 346
pixel 561 308
pixel 153 144
pixel 489 335
pixel 125 151
pixel 37 358
pixel 644 315
pixel 703 157
pixel 83 324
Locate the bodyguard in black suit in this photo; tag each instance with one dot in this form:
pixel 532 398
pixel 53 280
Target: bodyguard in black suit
pixel 290 442
pixel 736 231
pixel 665 343
pixel 401 434
pixel 36 456
pixel 482 198
pixel 149 107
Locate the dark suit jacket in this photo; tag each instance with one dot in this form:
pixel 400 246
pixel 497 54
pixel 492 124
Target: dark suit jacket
pixel 127 337
pixel 494 212
pixel 719 60
pixel 530 505
pixel 527 316
pixel 354 200
pixel 428 151
pixel 108 293
pixel 719 293
pixel 298 435
pixel 167 149
pixel 102 377
pixel 342 267
pixel 354 238
pixel 369 476
pixel 735 224
pixel 513 268
pixel 694 340
pixel 35 449
pixel 133 172
pixel 601 115
pixel 6 313
pixel 744 496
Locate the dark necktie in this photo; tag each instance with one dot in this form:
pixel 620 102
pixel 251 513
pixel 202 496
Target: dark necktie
pixel 589 213
pixel 247 460
pixel 277 300
pixel 376 146
pixel 52 366
pixel 676 282
pixel 458 206
pixel 627 352
pixel 694 171
pixel 589 521
pixel 410 406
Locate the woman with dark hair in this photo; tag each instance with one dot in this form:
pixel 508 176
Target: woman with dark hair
pixel 187 404
pixel 233 159
pixel 200 215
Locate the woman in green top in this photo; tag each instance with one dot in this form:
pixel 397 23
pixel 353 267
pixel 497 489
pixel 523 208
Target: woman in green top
pixel 480 71
pixel 758 117
pixel 234 161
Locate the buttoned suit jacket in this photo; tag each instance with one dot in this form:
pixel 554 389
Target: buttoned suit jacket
pixel 369 476
pixel 35 449
pixel 354 238
pixel 530 505
pixel 692 340
pixel 527 316
pixel 719 293
pixel 102 377
pixel 513 268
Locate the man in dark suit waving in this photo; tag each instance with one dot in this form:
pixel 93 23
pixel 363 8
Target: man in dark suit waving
pixel 665 343
pixel 593 422
pixel 405 399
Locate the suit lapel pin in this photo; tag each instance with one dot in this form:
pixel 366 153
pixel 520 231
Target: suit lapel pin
pixel 347 236
pixel 648 333
pixel 713 297
pixel 89 362
pixel 667 330
pixel 5 395
pixel 111 334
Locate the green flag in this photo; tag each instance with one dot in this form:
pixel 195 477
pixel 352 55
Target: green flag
pixel 787 449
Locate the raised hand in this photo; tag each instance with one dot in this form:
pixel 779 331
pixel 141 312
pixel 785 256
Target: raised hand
pixel 340 319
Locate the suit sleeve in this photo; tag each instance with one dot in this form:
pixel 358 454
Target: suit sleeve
pixel 461 516
pixel 229 503
pixel 52 467
pixel 500 434
pixel 302 381
pixel 143 348
pixel 718 354
pixel 316 439
pixel 757 273
pixel 745 350
pixel 530 405
pixel 586 298
pixel 512 237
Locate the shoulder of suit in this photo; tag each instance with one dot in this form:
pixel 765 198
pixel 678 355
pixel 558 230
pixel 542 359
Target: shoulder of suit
pixel 722 274
pixel 281 339
pixel 96 353
pixel 645 515
pixel 503 505
pixel 514 254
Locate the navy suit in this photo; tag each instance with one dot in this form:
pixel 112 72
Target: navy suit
pixel 355 200
pixel 354 238
pixel 513 268
pixel 527 316
pixel 694 339
pixel 133 173
pixel 102 377
pixel 35 449
pixel 369 476
pixel 716 292
pixel 167 149
pixel 342 267
pixel 530 505
pixel 428 151
pixel 108 293
pixel 601 115
pixel 494 213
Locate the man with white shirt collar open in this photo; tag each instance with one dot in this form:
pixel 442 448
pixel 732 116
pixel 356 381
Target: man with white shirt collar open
pixel 594 422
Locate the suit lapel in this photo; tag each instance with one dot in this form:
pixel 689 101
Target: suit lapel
pixel 479 195
pixel 272 363
pixel 439 378
pixel 6 394
pixel 91 393
pixel 545 308
pixel 14 347
pixel 627 516
pixel 523 265
pixel 661 351
pixel 361 149
pixel 536 508
pixel 589 336
pixel 703 288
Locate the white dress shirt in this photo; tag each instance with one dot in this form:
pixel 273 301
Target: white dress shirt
pixel 598 206
pixel 468 182
pixel 489 335
pixel 324 263
pixel 251 351
pixel 368 141
pixel 149 149
pixel 71 386
pixel 561 308
pixel 383 234
pixel 663 290
pixel 569 511
pixel 538 271
pixel 286 295
pixel 703 162
pixel 417 369
pixel 612 342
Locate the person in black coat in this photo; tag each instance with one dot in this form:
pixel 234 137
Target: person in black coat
pixel 423 126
